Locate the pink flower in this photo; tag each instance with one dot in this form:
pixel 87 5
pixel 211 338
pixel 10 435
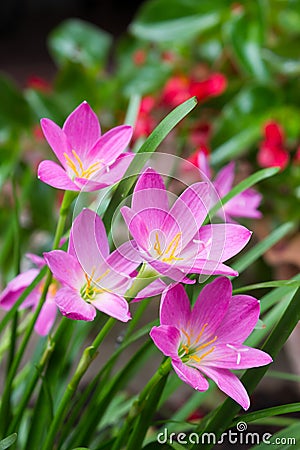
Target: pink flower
pixel 172 240
pixel 207 339
pixel 244 204
pixel 91 277
pixel 88 159
pixel 272 152
pixel 16 287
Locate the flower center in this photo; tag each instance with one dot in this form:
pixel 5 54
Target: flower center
pixel 89 291
pixel 190 350
pixel 76 165
pixel 167 255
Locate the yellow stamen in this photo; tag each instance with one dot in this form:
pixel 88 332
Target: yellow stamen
pixel 71 164
pixel 187 336
pixel 102 276
pixel 206 344
pixel 201 333
pixel 78 160
pixel 199 358
pixel 185 348
pixel 81 171
pixel 172 247
pixel 157 245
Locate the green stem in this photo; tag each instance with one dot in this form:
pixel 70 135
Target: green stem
pixel 139 404
pixel 88 356
pixel 224 415
pixel 68 197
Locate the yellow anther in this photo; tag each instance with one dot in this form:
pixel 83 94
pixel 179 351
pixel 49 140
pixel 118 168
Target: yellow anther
pixel 71 164
pixel 201 333
pixel 187 336
pixel 80 171
pixel 206 344
pixel 157 247
pixel 78 160
pixel 185 348
pixel 199 358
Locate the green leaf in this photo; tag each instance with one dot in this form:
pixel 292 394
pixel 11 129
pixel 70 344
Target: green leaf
pixel 268 412
pixel 8 441
pixel 79 42
pixel 244 35
pixel 176 20
pixel 144 153
pixel 267 284
pixel 283 440
pixel 264 245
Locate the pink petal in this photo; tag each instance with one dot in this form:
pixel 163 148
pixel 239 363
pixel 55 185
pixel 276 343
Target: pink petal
pixel 51 173
pixel 223 241
pixel 73 306
pixel 111 144
pixel 244 204
pixel 235 356
pixel 189 211
pixel 205 267
pixel 65 268
pixel 170 271
pixel 190 375
pixel 136 226
pixel 211 307
pixel 107 176
pixel 167 339
pixel 228 383
pixel 46 318
pixel 150 192
pixel 82 129
pixel 239 320
pixel 113 305
pixel 203 164
pixel 57 140
pixel 175 308
pixel 224 180
pixel 15 287
pixel 88 241
pixel 36 260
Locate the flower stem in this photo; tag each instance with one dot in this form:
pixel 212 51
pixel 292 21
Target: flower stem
pixel 139 404
pixel 88 356
pixel 67 200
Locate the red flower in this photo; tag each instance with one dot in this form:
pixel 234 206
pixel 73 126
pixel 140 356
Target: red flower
pixel 139 57
pixel 214 85
pixel 272 152
pixel 145 122
pixel 39 84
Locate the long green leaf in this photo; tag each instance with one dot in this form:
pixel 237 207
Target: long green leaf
pixel 8 441
pixel 283 440
pixel 268 412
pixel 267 284
pixel 144 153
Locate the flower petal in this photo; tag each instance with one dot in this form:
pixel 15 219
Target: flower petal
pixel 88 241
pixel 224 179
pixel 51 173
pixel 235 356
pixel 136 226
pixel 189 211
pixel 82 129
pixel 190 375
pixel 239 320
pixel 46 318
pixel 73 306
pixel 14 289
pixel 206 267
pixel 110 145
pixel 57 140
pixel 223 241
pixel 150 192
pixel 170 271
pixel 65 268
pixel 113 305
pixel 155 288
pixel 211 307
pixel 244 204
pixel 175 307
pixel 228 383
pixel 167 339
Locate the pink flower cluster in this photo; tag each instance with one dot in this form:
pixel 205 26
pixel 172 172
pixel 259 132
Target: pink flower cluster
pixel 169 242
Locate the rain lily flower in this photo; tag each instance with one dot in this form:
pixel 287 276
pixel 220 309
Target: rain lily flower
pixel 171 240
pixel 207 339
pixel 16 287
pixel 272 152
pixel 92 278
pixel 244 204
pixel 87 159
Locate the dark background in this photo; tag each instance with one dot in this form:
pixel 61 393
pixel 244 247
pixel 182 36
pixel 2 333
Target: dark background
pixel 25 25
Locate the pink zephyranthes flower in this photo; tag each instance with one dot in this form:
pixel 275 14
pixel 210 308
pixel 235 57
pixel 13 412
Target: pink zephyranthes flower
pixel 172 240
pixel 207 339
pixel 87 159
pixel 244 204
pixel 17 286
